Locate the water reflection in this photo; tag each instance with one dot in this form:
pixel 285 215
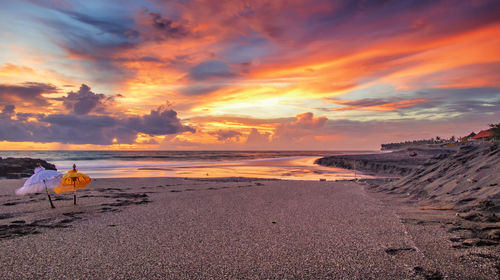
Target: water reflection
pixel 291 168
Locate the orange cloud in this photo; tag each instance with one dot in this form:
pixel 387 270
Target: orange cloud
pixel 374 105
pixel 307 120
pixel 238 71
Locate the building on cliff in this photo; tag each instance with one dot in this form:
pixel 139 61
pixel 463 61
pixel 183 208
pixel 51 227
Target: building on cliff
pixel 483 135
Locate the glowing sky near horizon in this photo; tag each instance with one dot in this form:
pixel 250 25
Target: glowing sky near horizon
pixel 200 74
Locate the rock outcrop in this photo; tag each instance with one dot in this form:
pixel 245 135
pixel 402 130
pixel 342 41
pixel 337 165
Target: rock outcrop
pixel 398 163
pixel 14 168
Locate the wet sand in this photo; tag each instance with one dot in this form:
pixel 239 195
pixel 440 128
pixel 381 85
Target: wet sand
pixel 174 228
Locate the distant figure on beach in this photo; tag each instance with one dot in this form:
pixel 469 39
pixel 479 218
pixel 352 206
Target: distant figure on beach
pixel 38 168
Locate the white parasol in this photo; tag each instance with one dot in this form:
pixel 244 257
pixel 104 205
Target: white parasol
pixel 42 179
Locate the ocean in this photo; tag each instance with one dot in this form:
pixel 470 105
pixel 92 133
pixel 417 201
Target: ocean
pixel 293 165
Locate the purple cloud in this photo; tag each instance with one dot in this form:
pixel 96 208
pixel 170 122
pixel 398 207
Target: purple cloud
pixel 83 101
pixel 29 93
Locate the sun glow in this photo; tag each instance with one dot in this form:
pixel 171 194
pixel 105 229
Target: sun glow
pixel 241 76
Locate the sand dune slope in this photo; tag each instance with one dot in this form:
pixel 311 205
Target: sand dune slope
pixel 469 178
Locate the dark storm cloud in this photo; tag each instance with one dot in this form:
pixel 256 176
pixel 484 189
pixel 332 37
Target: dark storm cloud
pixel 454 94
pixel 117 28
pixel 199 89
pixel 474 106
pixel 93 40
pixel 79 129
pixel 365 102
pixel 139 59
pixel 378 104
pixel 211 69
pixel 386 18
pixel 83 101
pixel 87 129
pixel 158 122
pixel 15 129
pixel 7 111
pixel 87 122
pixel 115 33
pixel 29 93
pixel 462 100
pixel 168 28
pixel 207 77
pixel 227 135
pixel 96 39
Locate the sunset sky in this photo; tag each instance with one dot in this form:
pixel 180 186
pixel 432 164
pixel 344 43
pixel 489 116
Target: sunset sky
pixel 245 75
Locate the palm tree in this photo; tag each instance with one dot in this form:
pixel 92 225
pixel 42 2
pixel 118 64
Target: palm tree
pixel 495 130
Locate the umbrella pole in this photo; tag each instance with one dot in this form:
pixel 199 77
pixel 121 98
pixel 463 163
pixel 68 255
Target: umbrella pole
pixel 50 199
pixel 74 192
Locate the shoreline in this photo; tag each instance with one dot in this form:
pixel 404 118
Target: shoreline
pixel 296 167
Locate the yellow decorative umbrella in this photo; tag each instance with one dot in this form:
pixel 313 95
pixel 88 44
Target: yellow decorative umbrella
pixel 72 181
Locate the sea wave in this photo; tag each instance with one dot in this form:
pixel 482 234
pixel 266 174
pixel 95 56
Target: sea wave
pixel 267 164
pixel 67 164
pixel 162 155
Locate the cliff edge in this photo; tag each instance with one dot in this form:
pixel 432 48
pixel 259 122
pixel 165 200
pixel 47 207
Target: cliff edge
pixel 398 163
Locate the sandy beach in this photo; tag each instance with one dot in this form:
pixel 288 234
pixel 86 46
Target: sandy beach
pixel 229 228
